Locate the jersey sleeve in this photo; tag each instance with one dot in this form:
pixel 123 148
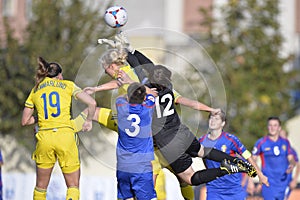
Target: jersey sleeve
pixel 76 90
pixel 256 149
pixel 150 100
pixel 238 146
pixel 176 95
pixel 295 155
pixel 290 151
pixel 121 100
pixel 29 102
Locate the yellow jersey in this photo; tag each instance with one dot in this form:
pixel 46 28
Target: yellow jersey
pixel 131 73
pixel 52 99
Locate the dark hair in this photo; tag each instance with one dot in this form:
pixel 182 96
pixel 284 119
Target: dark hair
pixel 136 93
pixel 46 69
pixel 222 115
pixel 274 118
pixel 160 77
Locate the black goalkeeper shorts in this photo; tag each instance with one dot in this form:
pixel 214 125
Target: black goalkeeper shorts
pixel 178 147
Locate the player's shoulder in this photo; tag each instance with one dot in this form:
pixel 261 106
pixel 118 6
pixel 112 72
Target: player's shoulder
pixel 261 140
pixel 69 82
pixel 230 135
pixel 121 100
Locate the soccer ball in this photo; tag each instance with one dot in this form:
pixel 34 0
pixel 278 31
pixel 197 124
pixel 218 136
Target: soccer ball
pixel 115 16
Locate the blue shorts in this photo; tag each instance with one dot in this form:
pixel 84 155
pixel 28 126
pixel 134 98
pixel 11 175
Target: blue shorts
pixel 271 193
pixel 226 196
pixel 139 185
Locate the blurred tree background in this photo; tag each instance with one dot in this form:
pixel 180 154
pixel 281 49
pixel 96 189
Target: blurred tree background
pixel 246 44
pixel 61 31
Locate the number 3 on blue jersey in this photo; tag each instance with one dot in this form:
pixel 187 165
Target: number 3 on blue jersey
pixel 134 123
pixel 53 102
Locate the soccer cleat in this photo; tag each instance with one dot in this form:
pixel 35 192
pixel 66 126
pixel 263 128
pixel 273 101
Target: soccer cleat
pixel 251 171
pixel 232 168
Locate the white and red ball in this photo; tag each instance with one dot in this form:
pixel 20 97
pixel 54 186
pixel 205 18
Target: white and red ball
pixel 115 16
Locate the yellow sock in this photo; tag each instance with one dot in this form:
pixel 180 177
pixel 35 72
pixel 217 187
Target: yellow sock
pixel 187 192
pixel 73 193
pixel 39 194
pixel 160 186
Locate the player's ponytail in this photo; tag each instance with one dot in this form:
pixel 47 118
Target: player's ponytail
pixel 41 71
pixel 46 69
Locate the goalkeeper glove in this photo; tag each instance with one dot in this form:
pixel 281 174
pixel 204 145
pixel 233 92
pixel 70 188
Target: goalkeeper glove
pixel 122 38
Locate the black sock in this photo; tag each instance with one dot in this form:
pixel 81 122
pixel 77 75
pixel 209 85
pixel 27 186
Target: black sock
pixel 206 175
pixel 216 155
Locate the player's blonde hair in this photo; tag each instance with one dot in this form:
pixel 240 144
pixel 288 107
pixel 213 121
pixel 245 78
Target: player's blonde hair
pixel 113 56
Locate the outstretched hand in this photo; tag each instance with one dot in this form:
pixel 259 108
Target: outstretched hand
pixel 290 168
pixel 111 43
pixel 263 180
pixel 87 126
pixel 123 40
pixel 123 78
pixel 89 90
pixel 216 111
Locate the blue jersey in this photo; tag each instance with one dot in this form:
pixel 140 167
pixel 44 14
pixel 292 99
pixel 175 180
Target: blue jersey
pixel 135 143
pixel 274 163
pixel 229 185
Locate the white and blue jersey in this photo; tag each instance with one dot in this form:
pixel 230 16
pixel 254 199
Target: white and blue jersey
pixel 135 149
pixel 274 163
pixel 135 143
pixel 228 186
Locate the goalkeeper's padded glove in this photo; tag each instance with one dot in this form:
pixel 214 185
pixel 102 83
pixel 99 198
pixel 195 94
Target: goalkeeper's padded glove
pixel 111 43
pixel 122 38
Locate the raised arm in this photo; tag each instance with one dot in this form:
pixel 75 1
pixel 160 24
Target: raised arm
pixel 91 103
pixel 292 163
pixel 113 84
pixel 293 183
pixel 27 117
pixel 262 178
pixel 196 105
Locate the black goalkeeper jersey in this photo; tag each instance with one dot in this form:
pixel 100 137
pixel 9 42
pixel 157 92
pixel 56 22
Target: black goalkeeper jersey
pixel 165 119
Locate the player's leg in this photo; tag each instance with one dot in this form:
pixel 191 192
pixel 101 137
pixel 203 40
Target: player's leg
pixel 203 191
pixel 187 191
pixel 42 182
pixel 45 159
pixel 124 186
pixel 72 182
pixel 143 186
pixel 68 159
pixel 159 177
pixel 103 116
pixel 183 168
